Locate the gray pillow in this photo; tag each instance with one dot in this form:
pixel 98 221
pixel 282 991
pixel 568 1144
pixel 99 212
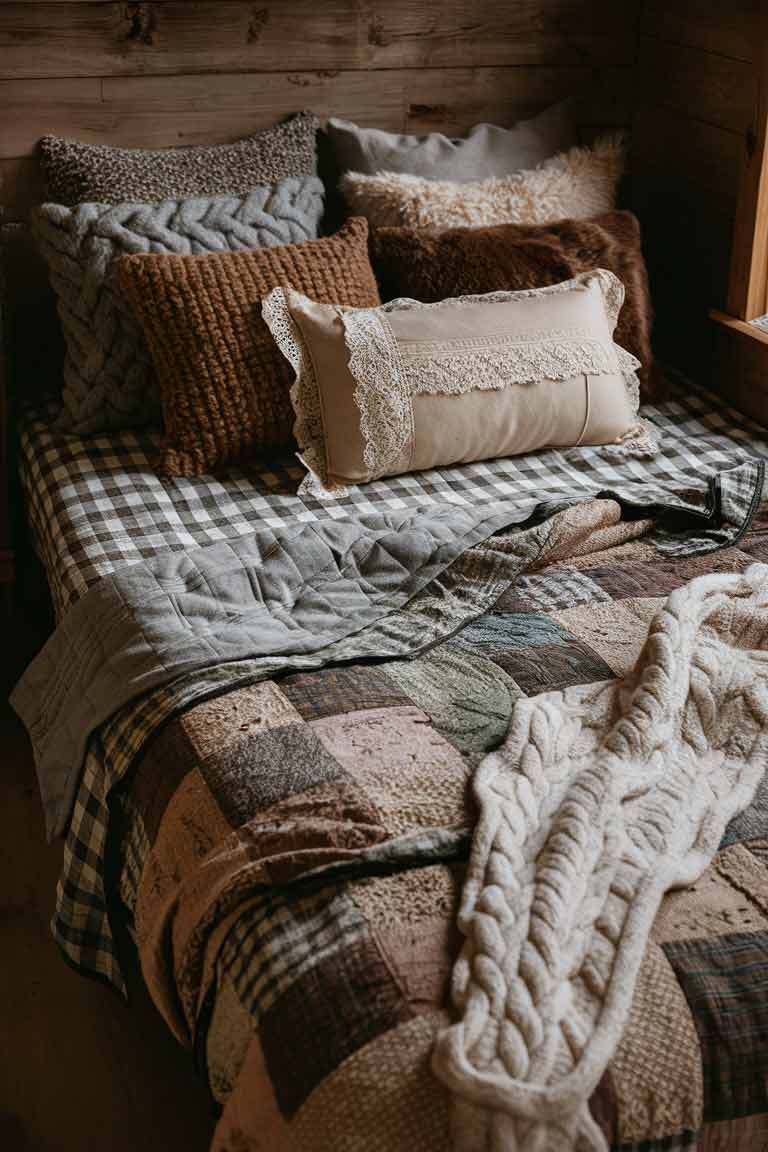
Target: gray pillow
pixel 109 382
pixel 486 151
pixel 76 173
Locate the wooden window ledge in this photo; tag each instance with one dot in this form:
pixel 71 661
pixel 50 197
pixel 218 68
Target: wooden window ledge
pixel 740 364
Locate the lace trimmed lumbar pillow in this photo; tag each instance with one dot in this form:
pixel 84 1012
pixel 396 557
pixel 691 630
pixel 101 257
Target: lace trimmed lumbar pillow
pixel 575 185
pixel 109 383
pixel 408 386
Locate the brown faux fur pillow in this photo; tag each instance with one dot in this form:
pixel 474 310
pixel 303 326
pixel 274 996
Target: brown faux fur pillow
pixel 430 266
pixel 224 383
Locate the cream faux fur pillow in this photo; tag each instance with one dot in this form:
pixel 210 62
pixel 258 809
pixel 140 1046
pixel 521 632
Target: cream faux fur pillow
pixel 574 185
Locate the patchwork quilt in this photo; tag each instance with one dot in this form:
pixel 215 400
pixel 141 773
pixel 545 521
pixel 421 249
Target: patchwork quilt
pixel 292 851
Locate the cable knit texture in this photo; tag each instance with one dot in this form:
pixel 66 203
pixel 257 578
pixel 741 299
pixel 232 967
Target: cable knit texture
pixel 574 185
pixel 430 266
pixel 601 799
pixel 76 172
pixel 108 378
pixel 224 383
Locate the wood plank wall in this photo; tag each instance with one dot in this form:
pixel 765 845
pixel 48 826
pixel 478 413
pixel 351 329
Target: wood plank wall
pixel 172 72
pixel 694 123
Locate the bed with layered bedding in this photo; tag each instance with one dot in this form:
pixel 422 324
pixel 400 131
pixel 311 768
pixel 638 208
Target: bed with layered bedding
pixel 407 706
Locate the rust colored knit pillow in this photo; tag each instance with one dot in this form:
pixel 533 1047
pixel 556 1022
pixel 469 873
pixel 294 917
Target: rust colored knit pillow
pixel 430 266
pixel 224 384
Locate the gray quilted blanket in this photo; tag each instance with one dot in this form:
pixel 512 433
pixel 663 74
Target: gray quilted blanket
pixel 293 598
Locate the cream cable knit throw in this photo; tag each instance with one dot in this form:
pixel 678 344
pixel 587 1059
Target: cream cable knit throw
pixel 602 798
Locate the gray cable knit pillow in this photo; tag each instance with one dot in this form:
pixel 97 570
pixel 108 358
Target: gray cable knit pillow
pixel 109 382
pixel 76 173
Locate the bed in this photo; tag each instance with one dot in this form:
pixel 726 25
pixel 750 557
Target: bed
pixel 296 925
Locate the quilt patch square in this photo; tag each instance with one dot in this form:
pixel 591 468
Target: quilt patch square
pixel 255 774
pixel 536 651
pixel 278 939
pixel 559 588
pixel 467 696
pixel 408 771
pixel 329 1012
pixel 550 667
pixel 333 691
pixel 752 823
pixel 725 981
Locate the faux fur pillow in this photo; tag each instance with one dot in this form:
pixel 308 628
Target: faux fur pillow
pixel 409 386
pixel 224 384
pixel 429 266
pixel 574 185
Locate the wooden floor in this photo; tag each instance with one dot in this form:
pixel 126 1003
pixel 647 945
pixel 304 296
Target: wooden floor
pixel 80 1070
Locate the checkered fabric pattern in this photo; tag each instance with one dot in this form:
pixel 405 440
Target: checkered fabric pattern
pixel 96 504
pixel 276 940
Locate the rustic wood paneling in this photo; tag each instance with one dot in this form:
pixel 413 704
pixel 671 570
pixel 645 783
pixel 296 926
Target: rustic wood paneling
pixel 168 73
pixel 693 127
pixel 703 85
pixel 677 149
pixel 163 111
pixel 39 39
pixel 725 27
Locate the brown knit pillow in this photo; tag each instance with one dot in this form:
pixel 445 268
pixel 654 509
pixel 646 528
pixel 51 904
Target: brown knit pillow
pixel 430 266
pixel 224 385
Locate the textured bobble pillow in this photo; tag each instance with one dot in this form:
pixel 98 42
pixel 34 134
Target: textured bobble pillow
pixel 224 384
pixel 75 172
pixel 108 378
pixel 486 151
pixel 576 184
pixel 430 266
pixel 409 386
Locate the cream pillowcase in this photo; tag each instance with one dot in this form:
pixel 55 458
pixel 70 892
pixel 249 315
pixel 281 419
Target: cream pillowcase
pixel 573 185
pixel 409 386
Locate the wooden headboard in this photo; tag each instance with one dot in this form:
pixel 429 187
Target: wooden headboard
pixel 177 72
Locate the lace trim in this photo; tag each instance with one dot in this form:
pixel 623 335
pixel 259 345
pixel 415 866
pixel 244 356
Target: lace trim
pixel 305 394
pixel 382 392
pixel 521 363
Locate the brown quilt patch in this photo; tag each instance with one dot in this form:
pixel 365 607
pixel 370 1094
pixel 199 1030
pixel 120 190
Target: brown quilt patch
pixel 234 717
pixel 410 773
pixel 730 896
pixel 660 577
pixel 724 981
pixel 324 1016
pixel 615 630
pixel 385 1093
pixel 254 774
pixel 152 790
pixel 333 691
pixel 655 1074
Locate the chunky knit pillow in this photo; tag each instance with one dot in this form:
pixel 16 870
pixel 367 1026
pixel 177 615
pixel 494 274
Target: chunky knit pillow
pixel 225 386
pixel 76 172
pixel 108 378
pixel 429 266
pixel 576 184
